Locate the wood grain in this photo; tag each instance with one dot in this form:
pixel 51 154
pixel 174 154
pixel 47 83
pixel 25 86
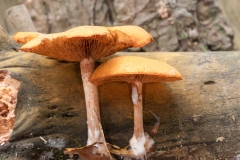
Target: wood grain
pixel 194 112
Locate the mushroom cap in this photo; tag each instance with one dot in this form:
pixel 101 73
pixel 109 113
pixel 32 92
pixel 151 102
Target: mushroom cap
pixel 133 68
pixel 88 41
pixel 24 37
pixel 133 36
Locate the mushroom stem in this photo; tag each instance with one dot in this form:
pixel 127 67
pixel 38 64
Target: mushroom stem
pixel 137 142
pixel 92 104
pixel 137 104
pixel 140 142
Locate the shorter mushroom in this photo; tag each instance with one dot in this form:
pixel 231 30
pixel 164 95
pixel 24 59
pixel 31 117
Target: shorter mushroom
pixel 135 70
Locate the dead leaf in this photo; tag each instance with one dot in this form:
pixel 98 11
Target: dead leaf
pixel 87 153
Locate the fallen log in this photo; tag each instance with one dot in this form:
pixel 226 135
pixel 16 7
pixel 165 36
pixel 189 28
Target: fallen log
pixel 199 115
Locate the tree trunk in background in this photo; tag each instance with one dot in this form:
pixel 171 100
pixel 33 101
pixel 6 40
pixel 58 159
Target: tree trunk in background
pixel 17 19
pixel 4 5
pixel 231 12
pixel 183 25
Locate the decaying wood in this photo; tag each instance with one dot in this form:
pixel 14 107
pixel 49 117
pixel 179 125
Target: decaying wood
pixel 194 112
pixel 17 19
pixel 8 100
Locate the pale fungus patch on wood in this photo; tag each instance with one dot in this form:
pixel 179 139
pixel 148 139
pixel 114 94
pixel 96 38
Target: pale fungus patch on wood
pixel 220 139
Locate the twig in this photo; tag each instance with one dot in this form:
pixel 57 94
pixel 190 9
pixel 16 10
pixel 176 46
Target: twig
pixel 45 141
pixel 156 125
pixel 79 145
pixel 158 119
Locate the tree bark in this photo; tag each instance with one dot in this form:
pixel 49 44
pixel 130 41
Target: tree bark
pixel 17 19
pixel 199 115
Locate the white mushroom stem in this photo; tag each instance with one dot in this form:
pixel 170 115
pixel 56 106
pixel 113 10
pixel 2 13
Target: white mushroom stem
pixel 92 104
pixel 139 142
pixel 137 104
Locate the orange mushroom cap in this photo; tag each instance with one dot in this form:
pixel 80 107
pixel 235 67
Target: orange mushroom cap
pixel 133 68
pixel 88 41
pixel 24 37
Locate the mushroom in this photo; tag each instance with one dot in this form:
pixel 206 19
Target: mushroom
pixel 135 70
pixel 24 37
pixel 84 44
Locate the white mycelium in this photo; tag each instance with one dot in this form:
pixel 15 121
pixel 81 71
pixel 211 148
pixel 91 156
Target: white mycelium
pixel 149 141
pixel 140 146
pixel 134 94
pixel 89 136
pixel 96 133
pixel 137 145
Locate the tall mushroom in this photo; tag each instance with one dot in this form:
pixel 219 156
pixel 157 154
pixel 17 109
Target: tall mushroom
pixel 84 44
pixel 135 70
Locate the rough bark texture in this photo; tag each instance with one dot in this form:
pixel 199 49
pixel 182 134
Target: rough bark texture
pixel 199 115
pixel 183 25
pixel 231 12
pixel 17 19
